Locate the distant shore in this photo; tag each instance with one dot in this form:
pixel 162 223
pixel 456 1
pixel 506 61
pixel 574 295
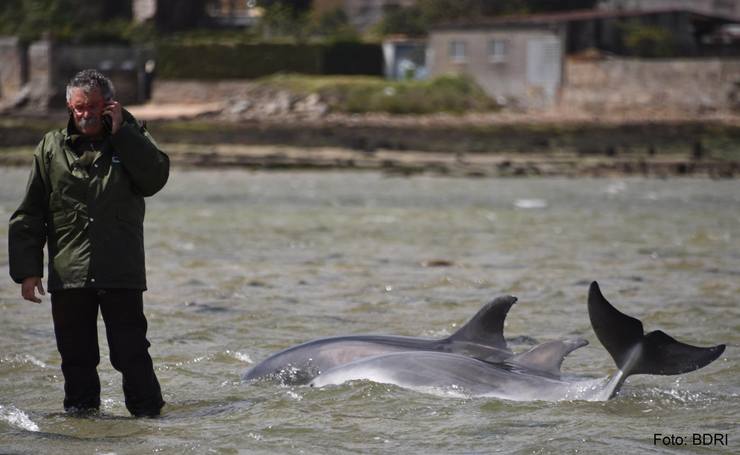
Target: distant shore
pixel 473 145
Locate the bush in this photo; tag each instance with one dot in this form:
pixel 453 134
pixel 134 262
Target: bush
pixel 455 94
pixel 649 41
pixel 250 61
pixel 241 61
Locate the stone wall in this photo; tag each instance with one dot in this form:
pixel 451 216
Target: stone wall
pixel 616 85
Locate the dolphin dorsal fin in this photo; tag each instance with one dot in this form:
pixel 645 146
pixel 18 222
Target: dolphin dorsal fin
pixel 487 326
pixel 548 357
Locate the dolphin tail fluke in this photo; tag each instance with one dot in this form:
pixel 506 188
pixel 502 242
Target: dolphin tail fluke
pixel 637 353
pixel 487 326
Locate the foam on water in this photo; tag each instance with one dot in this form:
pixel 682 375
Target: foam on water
pixel 24 359
pixel 530 203
pixel 240 356
pixel 17 418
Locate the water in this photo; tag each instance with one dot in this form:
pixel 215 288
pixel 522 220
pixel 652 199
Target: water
pixel 241 264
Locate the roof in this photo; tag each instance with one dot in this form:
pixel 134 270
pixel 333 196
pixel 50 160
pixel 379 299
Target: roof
pixel 556 18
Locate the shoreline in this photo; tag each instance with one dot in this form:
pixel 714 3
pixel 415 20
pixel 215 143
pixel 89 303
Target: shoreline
pixel 407 163
pixel 475 145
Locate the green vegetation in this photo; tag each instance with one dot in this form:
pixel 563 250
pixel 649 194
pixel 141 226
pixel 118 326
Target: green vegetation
pixel 243 60
pixel 357 94
pixel 649 40
pixel 70 20
pixel 294 21
pixel 416 20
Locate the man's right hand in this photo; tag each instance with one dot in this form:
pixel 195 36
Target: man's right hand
pixel 29 286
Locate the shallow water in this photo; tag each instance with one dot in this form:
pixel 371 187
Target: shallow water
pixel 241 264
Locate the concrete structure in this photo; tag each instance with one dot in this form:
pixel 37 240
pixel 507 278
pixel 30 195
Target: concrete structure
pixel 405 58
pixel 628 85
pixel 233 13
pixel 729 8
pixel 13 68
pixel 363 14
pixel 518 65
pixel 144 10
pixel 40 72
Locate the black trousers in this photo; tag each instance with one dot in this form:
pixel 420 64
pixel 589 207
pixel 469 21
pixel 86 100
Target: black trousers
pixel 75 313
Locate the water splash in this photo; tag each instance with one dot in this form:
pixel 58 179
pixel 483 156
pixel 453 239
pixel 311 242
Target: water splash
pixel 240 356
pixel 17 418
pixel 24 359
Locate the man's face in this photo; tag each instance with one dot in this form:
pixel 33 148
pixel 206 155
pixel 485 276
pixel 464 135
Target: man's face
pixel 87 109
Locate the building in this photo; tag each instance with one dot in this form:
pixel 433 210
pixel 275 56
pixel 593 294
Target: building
pixel 363 14
pixel 517 64
pixel 729 8
pixel 218 13
pixel 520 59
pixel 143 10
pixel 607 30
pixel 404 58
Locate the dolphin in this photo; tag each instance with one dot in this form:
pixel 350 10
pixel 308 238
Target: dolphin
pixel 481 337
pixel 535 374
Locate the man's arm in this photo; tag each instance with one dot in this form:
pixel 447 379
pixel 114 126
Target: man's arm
pixel 148 166
pixel 27 230
pixel 29 287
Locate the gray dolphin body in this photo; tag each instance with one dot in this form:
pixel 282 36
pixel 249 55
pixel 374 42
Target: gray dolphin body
pixel 481 337
pixel 535 375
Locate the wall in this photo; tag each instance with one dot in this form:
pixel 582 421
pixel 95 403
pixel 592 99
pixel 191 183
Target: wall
pixel 46 68
pixel 672 86
pixel 12 68
pixel 122 64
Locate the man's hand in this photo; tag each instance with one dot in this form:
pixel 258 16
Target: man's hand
pixel 29 286
pixel 113 109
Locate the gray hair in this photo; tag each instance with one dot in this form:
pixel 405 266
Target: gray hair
pixel 90 79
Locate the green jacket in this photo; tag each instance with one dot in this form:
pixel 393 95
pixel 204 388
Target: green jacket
pixel 91 213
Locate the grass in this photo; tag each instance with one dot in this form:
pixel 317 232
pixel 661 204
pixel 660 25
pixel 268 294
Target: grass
pixel 363 94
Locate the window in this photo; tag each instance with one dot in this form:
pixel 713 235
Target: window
pixel 458 51
pixel 497 51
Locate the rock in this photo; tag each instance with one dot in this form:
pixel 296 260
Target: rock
pixel 240 106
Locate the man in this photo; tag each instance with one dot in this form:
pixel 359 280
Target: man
pixel 85 197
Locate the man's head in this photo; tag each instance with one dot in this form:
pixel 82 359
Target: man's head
pixel 87 94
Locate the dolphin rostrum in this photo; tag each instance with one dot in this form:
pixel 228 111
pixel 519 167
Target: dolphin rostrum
pixel 481 337
pixel 535 374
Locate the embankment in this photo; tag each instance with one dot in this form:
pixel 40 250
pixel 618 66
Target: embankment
pixel 434 144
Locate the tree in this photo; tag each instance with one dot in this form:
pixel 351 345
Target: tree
pixel 416 20
pixel 283 18
pixel 403 21
pixel 177 15
pixel 333 24
pixel 540 6
pixel 62 18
